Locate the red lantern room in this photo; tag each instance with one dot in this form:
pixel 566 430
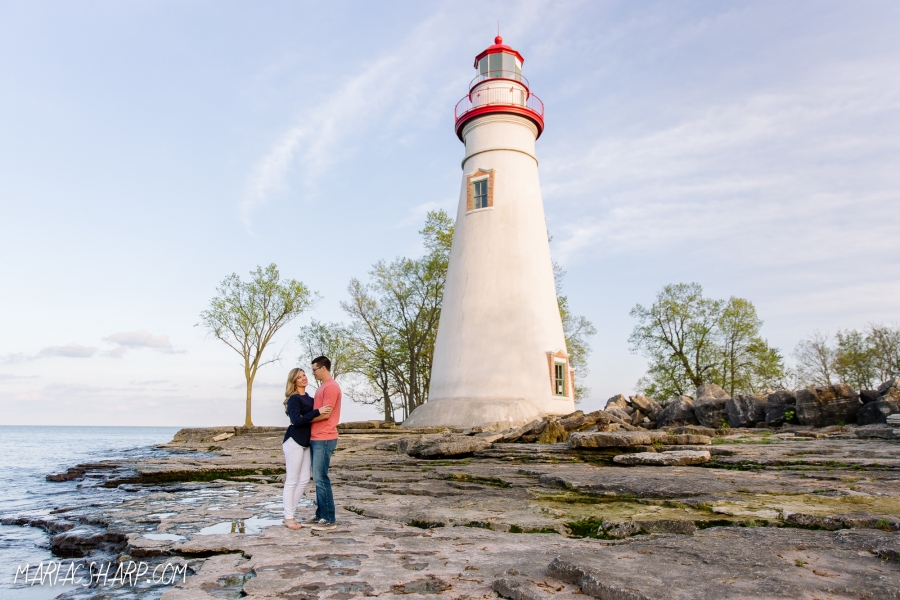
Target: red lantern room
pixel 499 87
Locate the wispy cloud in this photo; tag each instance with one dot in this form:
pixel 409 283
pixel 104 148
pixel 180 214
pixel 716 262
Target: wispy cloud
pixel 126 340
pixel 395 92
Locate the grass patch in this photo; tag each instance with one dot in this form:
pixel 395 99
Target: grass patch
pixel 425 524
pixel 586 528
pixel 884 525
pixel 481 525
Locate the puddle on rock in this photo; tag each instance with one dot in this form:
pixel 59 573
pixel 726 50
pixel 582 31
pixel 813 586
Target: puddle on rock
pixel 429 585
pixel 230 586
pixel 170 537
pixel 247 526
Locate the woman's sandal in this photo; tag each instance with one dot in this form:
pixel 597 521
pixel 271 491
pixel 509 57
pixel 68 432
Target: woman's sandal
pixel 292 524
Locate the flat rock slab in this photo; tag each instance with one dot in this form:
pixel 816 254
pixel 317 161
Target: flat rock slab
pixel 731 562
pixel 448 446
pixel 664 459
pixel 618 439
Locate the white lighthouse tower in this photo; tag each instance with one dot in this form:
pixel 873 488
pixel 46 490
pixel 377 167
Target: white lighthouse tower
pixel 500 356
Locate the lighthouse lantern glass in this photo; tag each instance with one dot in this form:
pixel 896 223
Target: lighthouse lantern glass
pixel 500 64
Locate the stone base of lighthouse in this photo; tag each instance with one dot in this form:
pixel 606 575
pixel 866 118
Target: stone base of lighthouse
pixel 491 413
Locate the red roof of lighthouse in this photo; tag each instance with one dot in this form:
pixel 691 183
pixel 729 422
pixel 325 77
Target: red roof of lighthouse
pixel 498 46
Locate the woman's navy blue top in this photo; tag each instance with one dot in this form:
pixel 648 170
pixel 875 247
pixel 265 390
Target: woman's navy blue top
pixel 300 410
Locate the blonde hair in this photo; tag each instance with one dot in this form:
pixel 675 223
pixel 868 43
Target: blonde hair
pixel 291 385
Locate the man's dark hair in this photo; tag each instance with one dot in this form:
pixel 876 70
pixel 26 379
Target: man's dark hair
pixel 322 361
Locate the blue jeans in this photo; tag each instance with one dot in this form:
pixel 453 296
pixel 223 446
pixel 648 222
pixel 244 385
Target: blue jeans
pixel 321 460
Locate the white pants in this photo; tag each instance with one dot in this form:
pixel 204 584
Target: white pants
pixel 296 461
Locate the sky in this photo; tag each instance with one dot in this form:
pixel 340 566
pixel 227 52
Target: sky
pixel 148 150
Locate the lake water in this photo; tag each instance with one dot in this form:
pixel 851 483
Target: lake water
pixel 27 455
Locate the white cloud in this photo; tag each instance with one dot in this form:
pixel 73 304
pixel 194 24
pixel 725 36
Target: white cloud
pixel 70 350
pixel 139 339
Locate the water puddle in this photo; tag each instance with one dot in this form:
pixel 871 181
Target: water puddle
pixel 164 515
pixel 246 526
pixel 169 537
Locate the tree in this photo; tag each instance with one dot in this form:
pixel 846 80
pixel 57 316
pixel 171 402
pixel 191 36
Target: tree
pixel 334 340
pixel 861 359
pixel 815 360
pixel 247 314
pixel 885 344
pixel 576 329
pixel 395 319
pixel 690 340
pixel 676 336
pixel 854 360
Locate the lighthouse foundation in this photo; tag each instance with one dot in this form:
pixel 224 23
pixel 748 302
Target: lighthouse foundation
pixel 490 413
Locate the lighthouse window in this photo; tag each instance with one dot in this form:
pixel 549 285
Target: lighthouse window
pixel 480 193
pixel 560 379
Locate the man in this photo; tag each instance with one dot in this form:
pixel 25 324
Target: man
pixel 323 441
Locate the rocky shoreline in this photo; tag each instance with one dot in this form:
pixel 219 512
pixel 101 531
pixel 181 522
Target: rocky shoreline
pixel 792 512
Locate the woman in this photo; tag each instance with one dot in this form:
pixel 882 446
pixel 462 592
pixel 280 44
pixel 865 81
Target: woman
pixel 298 405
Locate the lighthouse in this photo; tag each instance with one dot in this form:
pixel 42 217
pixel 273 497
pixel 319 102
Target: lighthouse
pixel 500 356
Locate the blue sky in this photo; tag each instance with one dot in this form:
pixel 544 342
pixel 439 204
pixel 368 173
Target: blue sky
pixel 149 149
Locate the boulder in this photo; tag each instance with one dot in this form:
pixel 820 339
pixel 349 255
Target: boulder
pixel 893 382
pixel 601 439
pixel 778 405
pixel 553 433
pixel 648 406
pixel 746 410
pixel 867 396
pixel 453 445
pixel 710 412
pixel 829 405
pixel 618 400
pixel 637 417
pixel 578 421
pixel 664 459
pixel 878 411
pixel 513 435
pixel 678 411
pixel 618 413
pixel 710 390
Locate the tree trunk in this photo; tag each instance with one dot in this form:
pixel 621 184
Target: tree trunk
pixel 247 421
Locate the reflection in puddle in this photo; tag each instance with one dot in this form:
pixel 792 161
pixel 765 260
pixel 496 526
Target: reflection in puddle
pixel 164 536
pixel 252 525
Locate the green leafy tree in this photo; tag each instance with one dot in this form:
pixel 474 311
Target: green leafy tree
pixel 334 340
pixel 246 315
pixel 677 336
pixel 395 320
pixel 860 358
pixel 690 340
pixel 577 330
pixel 854 360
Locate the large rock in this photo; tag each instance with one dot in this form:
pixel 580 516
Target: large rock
pixel 618 400
pixel 830 405
pixel 454 445
pixel 664 459
pixel 618 413
pixel 878 411
pixel 710 390
pixel 602 439
pixel 779 406
pixel 746 410
pixel 648 406
pixel 553 433
pixel 893 382
pixel 578 421
pixel 868 396
pixel 711 411
pixel 678 411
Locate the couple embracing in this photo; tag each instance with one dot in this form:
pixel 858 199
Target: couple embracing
pixel 309 442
